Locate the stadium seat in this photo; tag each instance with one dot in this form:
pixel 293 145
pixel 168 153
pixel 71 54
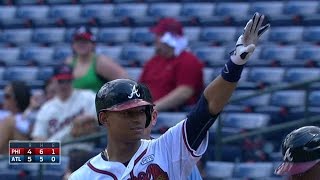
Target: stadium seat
pixel 218 34
pixel 211 56
pixel 301 7
pixel 192 33
pixel 65 12
pixel 20 73
pixel 286 34
pixel 142 35
pixel 137 54
pixel 230 153
pixel 55 2
pixel 261 100
pixel 232 9
pixel 114 52
pixel 208 75
pixel 288 98
pixel 266 75
pixel 7 13
pixel 91 1
pixel 8 17
pixel 113 35
pixel 294 75
pixel 197 9
pixel 314 98
pixel 61 52
pixel 26 2
pixel 45 73
pixel 312 34
pixel 283 54
pixel 48 35
pixel 218 169
pixel 134 72
pixel 33 12
pixel 253 170
pixel 16 36
pixel 245 120
pixel 41 55
pixel 98 10
pixel 270 9
pixel 168 119
pixel 10 56
pixel 164 9
pixel 308 53
pixel 128 10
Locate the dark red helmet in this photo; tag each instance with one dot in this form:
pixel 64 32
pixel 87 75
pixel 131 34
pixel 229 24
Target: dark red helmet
pixel 122 94
pixel 300 150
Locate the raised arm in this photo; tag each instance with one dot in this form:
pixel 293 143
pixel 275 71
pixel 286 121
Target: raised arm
pixel 217 93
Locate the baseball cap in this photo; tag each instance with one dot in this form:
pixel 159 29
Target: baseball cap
pixel 168 25
pixel 63 72
pixel 300 150
pixel 84 33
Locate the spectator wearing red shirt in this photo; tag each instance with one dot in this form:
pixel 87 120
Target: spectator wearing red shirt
pixel 173 74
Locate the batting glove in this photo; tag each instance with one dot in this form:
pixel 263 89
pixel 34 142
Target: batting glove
pixel 247 41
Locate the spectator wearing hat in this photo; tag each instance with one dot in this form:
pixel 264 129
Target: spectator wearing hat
pixel 173 74
pixel 90 70
pixel 69 114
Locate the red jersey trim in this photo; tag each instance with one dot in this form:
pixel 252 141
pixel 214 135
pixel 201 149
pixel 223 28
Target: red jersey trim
pixel 185 140
pixel 140 156
pixel 101 171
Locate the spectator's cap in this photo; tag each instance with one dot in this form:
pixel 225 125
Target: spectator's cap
pixel 168 25
pixel 63 72
pixel 300 150
pixel 83 33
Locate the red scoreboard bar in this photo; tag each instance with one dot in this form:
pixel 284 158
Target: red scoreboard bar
pixel 27 152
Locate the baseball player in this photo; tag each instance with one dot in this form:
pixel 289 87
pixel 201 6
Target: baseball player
pixel 195 174
pixel 301 154
pixel 123 109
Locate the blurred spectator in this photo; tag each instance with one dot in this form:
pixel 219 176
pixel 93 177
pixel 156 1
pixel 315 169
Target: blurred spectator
pixel 90 70
pixel 69 114
pixel 173 74
pixel 38 98
pixel 16 126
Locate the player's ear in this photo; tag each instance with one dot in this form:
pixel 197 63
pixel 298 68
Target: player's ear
pixel 154 117
pixel 103 117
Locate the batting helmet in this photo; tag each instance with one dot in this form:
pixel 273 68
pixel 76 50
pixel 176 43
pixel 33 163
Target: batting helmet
pixel 300 150
pixel 122 94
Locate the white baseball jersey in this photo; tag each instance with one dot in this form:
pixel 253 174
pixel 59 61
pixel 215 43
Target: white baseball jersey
pixel 168 157
pixel 54 120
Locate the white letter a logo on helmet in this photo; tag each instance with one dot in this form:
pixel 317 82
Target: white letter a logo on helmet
pixel 134 91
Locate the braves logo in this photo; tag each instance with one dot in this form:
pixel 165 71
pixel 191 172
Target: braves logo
pixel 134 91
pixel 287 155
pixel 153 171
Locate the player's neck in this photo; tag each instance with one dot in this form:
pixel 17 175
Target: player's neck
pixel 122 152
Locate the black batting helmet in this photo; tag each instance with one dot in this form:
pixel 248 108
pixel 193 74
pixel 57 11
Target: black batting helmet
pixel 122 94
pixel 300 150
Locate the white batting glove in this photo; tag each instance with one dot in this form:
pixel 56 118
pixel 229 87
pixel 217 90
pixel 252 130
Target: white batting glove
pixel 247 41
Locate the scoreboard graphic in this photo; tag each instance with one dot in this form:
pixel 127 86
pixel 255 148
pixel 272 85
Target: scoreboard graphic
pixel 31 152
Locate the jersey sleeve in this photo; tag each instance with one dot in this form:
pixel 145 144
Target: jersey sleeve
pixel 40 128
pixel 174 144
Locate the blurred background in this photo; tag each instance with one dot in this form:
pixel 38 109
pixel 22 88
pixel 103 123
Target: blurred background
pixel 278 91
